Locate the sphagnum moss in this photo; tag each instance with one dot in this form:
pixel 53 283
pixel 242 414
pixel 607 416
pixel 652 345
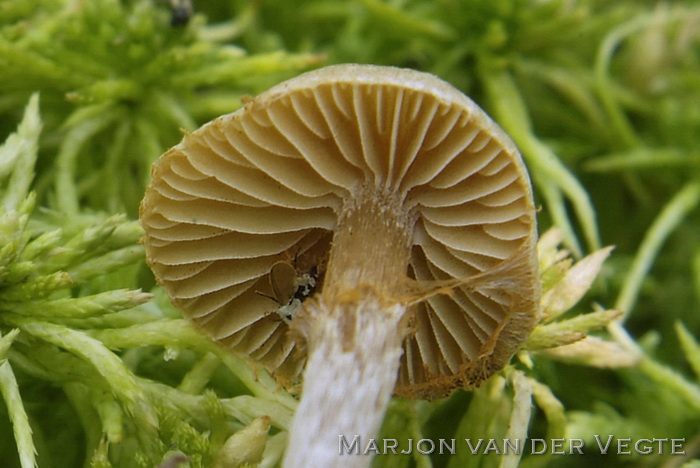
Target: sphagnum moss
pixel 586 114
pixel 58 328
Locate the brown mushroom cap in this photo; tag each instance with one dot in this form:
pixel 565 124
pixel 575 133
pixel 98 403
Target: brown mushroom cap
pixel 269 181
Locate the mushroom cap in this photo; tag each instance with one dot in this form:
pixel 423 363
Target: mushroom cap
pixel 267 184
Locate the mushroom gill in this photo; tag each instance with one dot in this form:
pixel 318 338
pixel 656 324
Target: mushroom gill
pixel 271 182
pixel 268 183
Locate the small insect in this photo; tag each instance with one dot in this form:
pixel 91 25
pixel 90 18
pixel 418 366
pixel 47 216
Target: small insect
pixel 181 12
pixel 290 289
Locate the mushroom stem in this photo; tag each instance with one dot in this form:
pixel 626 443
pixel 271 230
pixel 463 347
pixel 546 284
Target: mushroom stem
pixel 349 379
pixel 354 334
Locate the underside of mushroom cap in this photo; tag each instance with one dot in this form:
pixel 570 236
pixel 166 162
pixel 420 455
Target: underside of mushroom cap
pixel 269 182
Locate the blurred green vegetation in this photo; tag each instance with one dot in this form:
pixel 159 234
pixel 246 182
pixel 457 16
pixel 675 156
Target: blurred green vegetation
pixel 601 96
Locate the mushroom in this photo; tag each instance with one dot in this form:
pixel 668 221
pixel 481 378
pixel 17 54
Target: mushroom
pixel 370 226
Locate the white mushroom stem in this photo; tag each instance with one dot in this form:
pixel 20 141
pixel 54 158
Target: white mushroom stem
pixel 346 391
pixel 354 334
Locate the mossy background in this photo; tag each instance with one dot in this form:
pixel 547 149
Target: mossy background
pixel 601 96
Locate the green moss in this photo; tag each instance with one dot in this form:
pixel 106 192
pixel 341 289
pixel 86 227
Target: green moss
pixel 600 96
